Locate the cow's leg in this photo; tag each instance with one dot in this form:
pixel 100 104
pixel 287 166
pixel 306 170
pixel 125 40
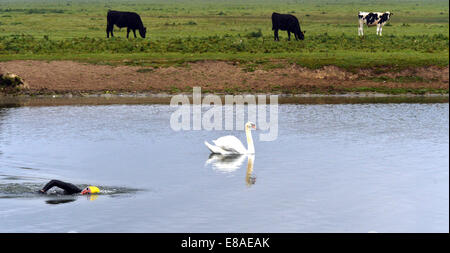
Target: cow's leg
pixel 109 29
pixel 360 29
pixel 289 35
pixel 134 32
pixel 381 28
pixel 378 29
pixel 275 35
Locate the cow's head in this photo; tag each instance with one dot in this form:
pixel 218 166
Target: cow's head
pixel 301 36
pixel 143 31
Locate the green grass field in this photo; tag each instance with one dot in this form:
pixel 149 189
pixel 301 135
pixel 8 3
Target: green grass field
pixel 181 31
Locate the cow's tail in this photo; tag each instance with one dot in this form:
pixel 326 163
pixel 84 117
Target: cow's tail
pixel 273 21
pixel 109 23
pixel 109 13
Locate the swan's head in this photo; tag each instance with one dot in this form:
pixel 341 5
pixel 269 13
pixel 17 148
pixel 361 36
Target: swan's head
pixel 250 125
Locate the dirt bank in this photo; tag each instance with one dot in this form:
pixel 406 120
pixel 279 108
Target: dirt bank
pixel 216 76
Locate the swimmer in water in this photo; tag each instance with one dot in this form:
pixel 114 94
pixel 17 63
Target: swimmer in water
pixel 69 188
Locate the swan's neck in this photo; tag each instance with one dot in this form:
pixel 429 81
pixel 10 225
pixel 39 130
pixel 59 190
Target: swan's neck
pixel 250 147
pixel 248 175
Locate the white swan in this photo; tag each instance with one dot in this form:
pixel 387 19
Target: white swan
pixel 229 144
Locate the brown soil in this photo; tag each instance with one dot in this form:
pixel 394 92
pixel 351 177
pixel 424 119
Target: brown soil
pixel 218 76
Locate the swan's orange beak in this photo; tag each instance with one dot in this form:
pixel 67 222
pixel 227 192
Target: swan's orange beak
pixel 253 126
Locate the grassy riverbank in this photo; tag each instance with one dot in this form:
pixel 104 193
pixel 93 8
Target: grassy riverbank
pixel 235 37
pixel 214 30
pixel 318 50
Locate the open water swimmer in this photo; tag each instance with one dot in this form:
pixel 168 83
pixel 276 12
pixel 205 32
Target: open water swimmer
pixel 69 188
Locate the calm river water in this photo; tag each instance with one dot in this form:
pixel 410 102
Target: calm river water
pixel 366 167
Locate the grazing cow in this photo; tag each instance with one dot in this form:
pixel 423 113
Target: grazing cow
pixel 130 20
pixel 378 19
pixel 286 22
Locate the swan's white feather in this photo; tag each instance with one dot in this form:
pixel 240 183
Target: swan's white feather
pixel 231 144
pixel 216 150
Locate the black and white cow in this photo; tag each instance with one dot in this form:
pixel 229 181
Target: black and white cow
pixel 378 19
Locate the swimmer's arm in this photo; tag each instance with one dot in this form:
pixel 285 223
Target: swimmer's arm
pixel 67 187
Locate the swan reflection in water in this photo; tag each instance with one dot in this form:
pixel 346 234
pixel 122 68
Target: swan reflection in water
pixel 230 163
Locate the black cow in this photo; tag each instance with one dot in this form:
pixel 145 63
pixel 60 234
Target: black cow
pixel 286 22
pixel 130 20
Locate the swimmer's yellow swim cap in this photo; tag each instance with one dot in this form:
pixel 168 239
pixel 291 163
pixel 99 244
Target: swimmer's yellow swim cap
pixel 94 189
pixel 90 190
